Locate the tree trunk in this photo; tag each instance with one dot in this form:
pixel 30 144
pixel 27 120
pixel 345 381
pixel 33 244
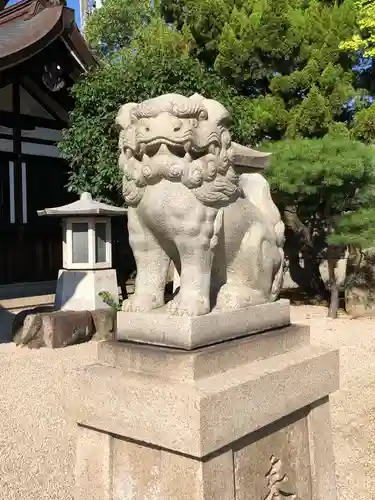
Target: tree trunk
pixel 334 253
pixel 334 288
pixel 299 241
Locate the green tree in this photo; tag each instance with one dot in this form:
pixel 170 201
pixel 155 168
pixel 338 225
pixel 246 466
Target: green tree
pixel 316 182
pixel 364 125
pixel 273 63
pixel 113 27
pixel 282 53
pixel 363 39
pixel 134 74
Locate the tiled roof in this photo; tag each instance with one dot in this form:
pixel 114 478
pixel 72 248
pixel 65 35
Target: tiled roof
pixel 29 26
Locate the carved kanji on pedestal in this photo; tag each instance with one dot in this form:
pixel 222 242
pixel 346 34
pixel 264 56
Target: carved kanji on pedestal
pixel 275 479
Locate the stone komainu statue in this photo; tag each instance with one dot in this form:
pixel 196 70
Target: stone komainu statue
pixel 186 204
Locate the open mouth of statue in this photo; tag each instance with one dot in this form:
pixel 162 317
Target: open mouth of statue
pixel 166 147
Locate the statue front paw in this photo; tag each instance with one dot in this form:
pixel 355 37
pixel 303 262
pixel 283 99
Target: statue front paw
pixel 188 305
pixel 142 303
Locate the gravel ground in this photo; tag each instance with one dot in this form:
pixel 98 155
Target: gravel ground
pixel 37 441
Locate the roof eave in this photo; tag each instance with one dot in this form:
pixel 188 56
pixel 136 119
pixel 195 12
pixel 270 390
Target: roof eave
pixel 62 26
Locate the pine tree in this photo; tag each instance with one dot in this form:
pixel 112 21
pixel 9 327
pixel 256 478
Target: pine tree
pixel 364 38
pixel 317 183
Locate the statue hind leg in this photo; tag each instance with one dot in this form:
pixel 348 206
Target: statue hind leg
pixel 251 275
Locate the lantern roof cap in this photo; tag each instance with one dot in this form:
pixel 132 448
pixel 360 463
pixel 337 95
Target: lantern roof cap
pixel 85 206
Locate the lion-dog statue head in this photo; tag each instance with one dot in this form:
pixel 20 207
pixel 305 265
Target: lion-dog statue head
pixel 181 139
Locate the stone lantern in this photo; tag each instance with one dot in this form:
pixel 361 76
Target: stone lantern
pixel 87 254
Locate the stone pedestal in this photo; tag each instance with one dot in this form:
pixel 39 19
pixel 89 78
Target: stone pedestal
pixel 79 290
pixel 244 419
pixel 187 332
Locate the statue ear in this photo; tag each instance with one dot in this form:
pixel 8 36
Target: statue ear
pixel 123 117
pixel 217 112
pixel 197 97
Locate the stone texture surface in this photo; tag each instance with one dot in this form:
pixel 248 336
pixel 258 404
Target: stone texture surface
pixel 275 460
pixel 104 324
pixel 24 324
pixel 93 466
pixel 140 473
pixel 79 290
pixel 64 328
pixel 246 397
pixel 321 451
pixel 56 329
pixel 211 423
pixel 190 332
pixel 222 231
pixel 175 364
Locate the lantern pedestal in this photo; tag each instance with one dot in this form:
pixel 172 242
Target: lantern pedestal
pixel 79 290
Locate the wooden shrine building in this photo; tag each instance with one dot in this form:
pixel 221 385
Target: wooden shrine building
pixel 42 53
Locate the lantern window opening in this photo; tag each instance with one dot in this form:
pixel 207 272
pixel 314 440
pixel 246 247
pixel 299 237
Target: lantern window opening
pixel 87 243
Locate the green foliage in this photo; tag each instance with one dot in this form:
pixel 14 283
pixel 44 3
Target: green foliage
pixel 285 49
pixel 364 39
pixel 355 228
pixel 135 74
pixel 364 125
pixel 113 27
pixel 108 299
pixel 273 63
pixel 322 172
pixel 326 178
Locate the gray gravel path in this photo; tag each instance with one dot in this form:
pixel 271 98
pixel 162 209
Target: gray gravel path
pixel 37 440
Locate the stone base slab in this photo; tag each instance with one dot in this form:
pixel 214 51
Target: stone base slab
pixel 191 332
pixel 248 418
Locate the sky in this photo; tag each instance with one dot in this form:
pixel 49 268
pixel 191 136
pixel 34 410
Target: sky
pixel 74 4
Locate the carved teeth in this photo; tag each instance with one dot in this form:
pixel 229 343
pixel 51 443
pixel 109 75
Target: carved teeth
pixel 212 149
pixel 163 149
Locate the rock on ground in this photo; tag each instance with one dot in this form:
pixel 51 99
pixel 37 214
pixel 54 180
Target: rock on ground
pixel 37 437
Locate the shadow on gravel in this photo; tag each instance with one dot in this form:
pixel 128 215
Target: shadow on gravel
pixel 6 325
